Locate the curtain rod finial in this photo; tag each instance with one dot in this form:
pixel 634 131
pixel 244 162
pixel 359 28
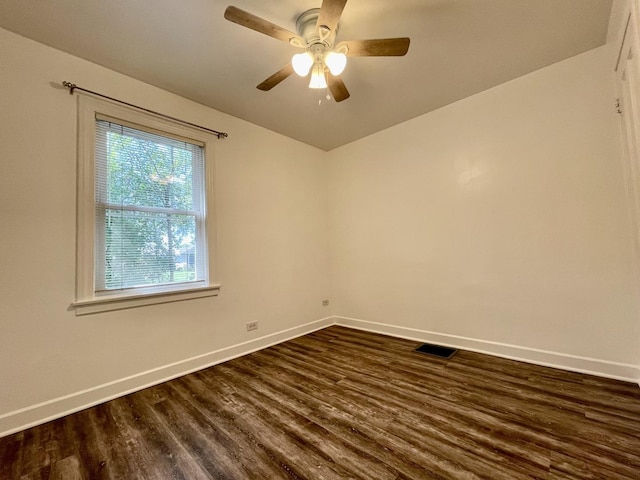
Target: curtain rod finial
pixel 70 86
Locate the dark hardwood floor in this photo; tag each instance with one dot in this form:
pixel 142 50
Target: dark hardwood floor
pixel 342 403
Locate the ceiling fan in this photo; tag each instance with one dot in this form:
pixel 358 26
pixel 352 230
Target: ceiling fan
pixel 316 34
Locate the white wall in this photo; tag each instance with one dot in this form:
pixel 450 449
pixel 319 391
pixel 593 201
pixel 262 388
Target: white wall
pixel 496 223
pixel 272 243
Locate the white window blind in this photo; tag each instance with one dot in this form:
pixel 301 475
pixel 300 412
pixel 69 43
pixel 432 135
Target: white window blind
pixel 149 209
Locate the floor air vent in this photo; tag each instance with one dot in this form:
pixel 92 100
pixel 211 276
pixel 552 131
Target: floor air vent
pixel 437 350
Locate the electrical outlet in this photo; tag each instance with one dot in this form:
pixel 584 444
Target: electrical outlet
pixel 325 302
pixel 252 326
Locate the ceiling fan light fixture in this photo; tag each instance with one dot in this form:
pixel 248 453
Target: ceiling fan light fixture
pixel 318 78
pixel 316 33
pixel 336 62
pixel 301 63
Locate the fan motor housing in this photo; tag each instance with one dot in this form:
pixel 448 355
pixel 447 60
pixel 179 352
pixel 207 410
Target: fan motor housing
pixel 306 28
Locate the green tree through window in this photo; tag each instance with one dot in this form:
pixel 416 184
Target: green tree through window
pixel 149 198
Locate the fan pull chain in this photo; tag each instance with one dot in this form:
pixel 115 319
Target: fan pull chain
pixel 327 96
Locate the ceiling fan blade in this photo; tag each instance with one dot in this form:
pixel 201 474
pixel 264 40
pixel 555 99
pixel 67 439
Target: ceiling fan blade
pixel 249 20
pixel 381 47
pixel 276 78
pixel 337 88
pixel 330 13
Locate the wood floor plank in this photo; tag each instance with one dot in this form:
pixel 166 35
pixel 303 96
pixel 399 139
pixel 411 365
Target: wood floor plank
pixel 11 455
pixel 145 444
pixel 298 428
pixel 222 439
pixel 278 448
pixel 342 425
pixel 67 469
pixel 214 450
pixel 345 403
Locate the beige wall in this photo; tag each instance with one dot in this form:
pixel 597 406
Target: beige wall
pixel 272 241
pixel 500 218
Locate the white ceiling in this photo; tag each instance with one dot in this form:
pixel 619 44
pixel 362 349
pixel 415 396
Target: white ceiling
pixel 458 48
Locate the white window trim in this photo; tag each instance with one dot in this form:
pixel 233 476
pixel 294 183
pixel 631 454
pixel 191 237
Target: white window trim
pixel 87 301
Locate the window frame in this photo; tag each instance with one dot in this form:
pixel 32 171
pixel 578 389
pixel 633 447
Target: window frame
pixel 87 299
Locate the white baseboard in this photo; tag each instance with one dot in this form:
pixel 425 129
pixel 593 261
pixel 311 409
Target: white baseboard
pixel 592 366
pixel 33 415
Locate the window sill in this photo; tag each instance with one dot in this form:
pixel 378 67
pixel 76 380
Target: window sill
pixel 106 304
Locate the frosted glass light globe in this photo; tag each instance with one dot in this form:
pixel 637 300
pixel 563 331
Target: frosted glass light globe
pixel 336 62
pixel 318 79
pixel 301 63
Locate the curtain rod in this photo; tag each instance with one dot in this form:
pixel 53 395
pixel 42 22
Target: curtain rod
pixel 73 86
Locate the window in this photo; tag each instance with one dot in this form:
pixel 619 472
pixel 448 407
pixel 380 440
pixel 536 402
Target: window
pixel 144 215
